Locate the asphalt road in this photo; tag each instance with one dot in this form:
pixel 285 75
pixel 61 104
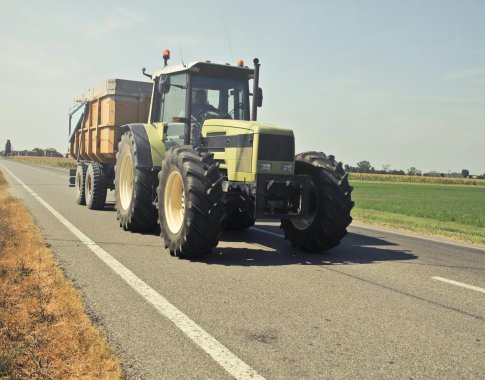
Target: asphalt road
pixel 381 305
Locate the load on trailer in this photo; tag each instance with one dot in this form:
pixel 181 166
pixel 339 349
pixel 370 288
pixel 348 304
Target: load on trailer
pixel 187 152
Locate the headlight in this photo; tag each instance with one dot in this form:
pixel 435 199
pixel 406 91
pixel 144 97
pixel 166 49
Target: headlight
pixel 265 167
pixel 287 167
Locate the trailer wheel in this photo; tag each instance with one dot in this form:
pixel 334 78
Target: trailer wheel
pixel 95 186
pixel 79 183
pixel 133 189
pixel 330 204
pixel 190 195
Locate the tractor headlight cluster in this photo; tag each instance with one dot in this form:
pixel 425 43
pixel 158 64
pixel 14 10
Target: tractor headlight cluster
pixel 264 167
pixel 287 168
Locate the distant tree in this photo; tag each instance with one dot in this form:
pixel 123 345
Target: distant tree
pixel 465 173
pixel 413 171
pixel 38 151
pixel 364 167
pixel 8 148
pixel 386 168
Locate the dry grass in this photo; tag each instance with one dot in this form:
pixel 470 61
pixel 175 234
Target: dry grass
pixel 44 330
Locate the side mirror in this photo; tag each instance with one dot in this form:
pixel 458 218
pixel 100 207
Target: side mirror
pixel 260 97
pixel 164 84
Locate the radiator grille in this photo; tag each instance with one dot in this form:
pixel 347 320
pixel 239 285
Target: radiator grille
pixel 276 148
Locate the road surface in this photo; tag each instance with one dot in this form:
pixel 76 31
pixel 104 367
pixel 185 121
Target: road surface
pixel 381 305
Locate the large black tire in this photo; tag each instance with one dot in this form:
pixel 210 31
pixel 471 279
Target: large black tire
pixel 190 202
pixel 133 188
pixel 95 186
pixel 330 204
pixel 240 218
pixel 79 183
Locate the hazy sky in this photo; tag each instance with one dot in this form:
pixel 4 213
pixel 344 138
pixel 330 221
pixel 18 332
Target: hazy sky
pixel 392 82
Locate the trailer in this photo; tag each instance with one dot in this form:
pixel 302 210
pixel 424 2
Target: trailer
pixel 94 127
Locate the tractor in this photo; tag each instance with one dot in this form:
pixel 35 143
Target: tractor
pixel 202 163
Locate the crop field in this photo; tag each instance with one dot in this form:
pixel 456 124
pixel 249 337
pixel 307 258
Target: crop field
pixel 416 179
pixel 452 211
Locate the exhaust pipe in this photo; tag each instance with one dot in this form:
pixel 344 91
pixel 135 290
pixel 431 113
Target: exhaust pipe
pixel 254 110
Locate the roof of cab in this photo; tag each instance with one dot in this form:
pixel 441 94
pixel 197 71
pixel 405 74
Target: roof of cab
pixel 206 66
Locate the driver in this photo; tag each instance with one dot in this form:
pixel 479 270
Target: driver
pixel 199 109
pixel 200 106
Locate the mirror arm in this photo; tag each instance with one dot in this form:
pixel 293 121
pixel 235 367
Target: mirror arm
pixel 143 72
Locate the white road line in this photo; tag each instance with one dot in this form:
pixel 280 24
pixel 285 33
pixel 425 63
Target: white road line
pixel 463 285
pixel 357 225
pixel 216 350
pixel 267 232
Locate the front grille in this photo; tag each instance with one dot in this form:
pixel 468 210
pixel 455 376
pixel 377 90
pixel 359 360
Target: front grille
pixel 276 148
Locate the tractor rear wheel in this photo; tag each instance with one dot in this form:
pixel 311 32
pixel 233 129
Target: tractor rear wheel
pixel 80 183
pixel 189 202
pixel 133 188
pixel 329 208
pixel 95 186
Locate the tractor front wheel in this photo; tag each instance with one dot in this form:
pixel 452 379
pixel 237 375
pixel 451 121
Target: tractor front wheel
pixel 189 202
pixel 329 206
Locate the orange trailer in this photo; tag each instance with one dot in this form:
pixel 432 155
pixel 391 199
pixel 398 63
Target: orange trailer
pixel 98 113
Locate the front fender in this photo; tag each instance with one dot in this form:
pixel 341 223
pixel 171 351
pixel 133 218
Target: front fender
pixel 150 149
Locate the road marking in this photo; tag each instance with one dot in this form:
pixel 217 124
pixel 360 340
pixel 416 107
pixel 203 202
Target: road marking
pixel 357 225
pixel 463 285
pixel 267 232
pixel 216 350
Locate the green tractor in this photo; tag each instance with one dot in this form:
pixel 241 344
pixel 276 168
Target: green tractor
pixel 203 163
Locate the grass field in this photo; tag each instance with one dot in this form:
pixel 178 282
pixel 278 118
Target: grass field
pixel 45 332
pixel 456 212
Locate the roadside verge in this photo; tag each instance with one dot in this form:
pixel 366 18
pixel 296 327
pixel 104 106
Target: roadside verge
pixel 44 329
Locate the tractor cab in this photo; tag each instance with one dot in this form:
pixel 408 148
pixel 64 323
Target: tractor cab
pixel 184 96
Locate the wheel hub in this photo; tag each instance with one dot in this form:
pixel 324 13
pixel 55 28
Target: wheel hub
pixel 174 201
pixel 126 181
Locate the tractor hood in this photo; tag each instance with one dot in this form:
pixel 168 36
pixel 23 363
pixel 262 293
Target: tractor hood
pixel 233 127
pixel 244 148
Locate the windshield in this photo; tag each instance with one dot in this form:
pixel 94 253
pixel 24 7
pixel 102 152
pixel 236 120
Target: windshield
pixel 219 98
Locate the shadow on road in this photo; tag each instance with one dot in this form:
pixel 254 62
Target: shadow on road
pixel 253 248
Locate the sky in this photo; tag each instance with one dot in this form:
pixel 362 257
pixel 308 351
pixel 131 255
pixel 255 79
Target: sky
pixel 398 83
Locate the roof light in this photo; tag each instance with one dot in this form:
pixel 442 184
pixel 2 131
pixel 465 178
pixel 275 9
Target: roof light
pixel 240 63
pixel 166 56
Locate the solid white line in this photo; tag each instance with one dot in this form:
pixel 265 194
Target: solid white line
pixel 267 232
pixel 388 230
pixel 463 285
pixel 222 355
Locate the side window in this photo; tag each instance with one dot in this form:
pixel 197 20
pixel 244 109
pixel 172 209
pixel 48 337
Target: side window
pixel 173 102
pixel 213 98
pixel 236 106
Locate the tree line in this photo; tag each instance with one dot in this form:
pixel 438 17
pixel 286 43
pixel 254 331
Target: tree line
pixel 366 167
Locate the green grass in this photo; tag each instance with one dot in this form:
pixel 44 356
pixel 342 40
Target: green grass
pixel 452 211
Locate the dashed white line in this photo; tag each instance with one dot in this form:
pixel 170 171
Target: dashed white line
pixel 457 283
pixel 267 232
pixel 216 350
